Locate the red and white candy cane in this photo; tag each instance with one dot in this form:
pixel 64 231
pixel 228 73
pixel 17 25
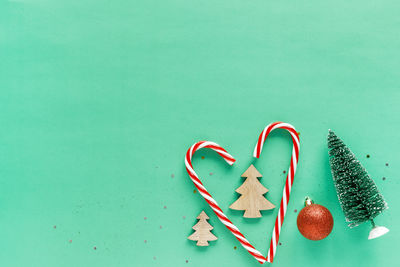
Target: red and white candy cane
pixel 213 204
pixel 289 179
pixel 230 160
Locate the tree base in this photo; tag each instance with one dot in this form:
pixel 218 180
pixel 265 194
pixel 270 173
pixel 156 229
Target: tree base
pixel 377 231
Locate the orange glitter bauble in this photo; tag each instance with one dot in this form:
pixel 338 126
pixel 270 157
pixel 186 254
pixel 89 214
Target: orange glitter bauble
pixel 315 222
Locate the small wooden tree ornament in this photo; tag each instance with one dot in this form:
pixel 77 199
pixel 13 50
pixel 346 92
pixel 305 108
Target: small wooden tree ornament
pixel 202 232
pixel 252 199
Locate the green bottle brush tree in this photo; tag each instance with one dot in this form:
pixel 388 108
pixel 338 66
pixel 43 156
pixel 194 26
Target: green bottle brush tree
pixel 357 192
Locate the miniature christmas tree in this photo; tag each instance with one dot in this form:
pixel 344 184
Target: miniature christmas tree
pixel 252 199
pixel 202 232
pixel 357 192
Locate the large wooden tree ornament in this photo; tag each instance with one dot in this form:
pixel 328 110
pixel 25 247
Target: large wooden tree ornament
pixel 202 232
pixel 252 198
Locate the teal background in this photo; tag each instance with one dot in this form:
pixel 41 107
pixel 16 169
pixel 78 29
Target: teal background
pixel 99 101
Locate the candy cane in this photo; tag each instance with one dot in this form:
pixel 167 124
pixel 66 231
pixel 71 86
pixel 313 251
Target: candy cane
pixel 213 204
pixel 230 160
pixel 289 179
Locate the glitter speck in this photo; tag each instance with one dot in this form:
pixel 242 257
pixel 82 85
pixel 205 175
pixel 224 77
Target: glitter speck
pixel 154 258
pixel 387 164
pixel 284 172
pixel 172 175
pixel 165 207
pixel 70 241
pixel 145 218
pixel 186 261
pixel 54 226
pixel 194 191
pixel 145 241
pixel 280 244
pixel 160 226
pixel 202 157
pixel 95 248
pixel 234 247
pixel 211 173
pixel 295 210
pixel 368 156
pixel 183 217
pixel 384 178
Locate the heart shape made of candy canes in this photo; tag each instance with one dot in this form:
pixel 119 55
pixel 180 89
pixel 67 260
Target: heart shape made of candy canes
pixel 230 160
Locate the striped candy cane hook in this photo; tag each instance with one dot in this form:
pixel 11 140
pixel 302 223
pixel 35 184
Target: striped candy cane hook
pixel 213 204
pixel 289 179
pixel 230 160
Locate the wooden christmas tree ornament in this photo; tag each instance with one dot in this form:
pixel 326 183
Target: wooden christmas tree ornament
pixel 252 198
pixel 202 232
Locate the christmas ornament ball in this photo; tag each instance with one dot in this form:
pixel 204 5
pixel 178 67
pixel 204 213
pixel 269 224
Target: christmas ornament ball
pixel 315 222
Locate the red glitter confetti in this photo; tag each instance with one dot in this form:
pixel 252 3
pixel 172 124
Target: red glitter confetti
pixel 295 210
pixel 95 248
pixel 234 247
pixel 284 172
pixel 145 218
pixel 160 226
pixel 184 217
pixel 211 173
pixel 70 241
pixel 145 241
pixel 194 191
pixel 202 157
pixel 280 244
pixel 165 207
pixel 172 175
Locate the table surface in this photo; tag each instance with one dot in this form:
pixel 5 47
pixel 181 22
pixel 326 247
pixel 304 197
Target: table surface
pixel 101 99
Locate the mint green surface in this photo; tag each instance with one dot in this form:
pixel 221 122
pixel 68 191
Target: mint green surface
pixel 99 101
